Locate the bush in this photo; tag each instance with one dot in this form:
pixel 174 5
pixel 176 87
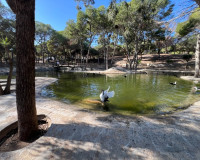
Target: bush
pixel 139 61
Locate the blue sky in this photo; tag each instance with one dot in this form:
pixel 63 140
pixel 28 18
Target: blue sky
pixel 57 13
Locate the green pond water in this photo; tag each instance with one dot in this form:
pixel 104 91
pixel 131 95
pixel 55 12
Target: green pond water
pixel 134 94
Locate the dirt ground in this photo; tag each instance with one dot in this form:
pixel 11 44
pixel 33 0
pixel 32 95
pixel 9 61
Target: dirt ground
pixel 9 138
pixel 153 61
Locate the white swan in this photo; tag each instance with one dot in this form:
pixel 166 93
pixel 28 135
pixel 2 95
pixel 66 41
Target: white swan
pixel 105 95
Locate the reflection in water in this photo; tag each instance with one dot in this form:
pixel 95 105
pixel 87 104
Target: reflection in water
pixel 141 94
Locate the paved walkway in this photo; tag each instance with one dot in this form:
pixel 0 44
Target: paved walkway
pixel 77 133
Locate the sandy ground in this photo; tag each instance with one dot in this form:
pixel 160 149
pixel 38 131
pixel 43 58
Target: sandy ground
pixel 77 133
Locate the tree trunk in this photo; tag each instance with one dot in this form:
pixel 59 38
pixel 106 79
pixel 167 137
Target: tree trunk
pixel 88 53
pixel 7 88
pixel 1 90
pixel 42 54
pixel 166 51
pixel 136 61
pixel 12 56
pixel 90 43
pixel 112 57
pixel 136 55
pixel 128 57
pixel 7 53
pixel 186 66
pixel 106 58
pixel 25 67
pixel 130 65
pixel 197 57
pixel 159 52
pixel 81 53
pixel 65 57
pixel 115 44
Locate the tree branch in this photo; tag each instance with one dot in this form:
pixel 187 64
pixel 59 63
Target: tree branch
pixel 12 5
pixel 198 2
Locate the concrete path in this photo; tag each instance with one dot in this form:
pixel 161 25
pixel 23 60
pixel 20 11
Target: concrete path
pixel 77 133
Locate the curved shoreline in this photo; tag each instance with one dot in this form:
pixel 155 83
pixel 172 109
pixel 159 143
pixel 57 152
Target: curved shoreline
pixel 81 134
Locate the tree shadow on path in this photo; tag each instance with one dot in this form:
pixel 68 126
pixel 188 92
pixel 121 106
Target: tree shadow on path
pixel 130 138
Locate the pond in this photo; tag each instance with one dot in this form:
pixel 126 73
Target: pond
pixel 134 94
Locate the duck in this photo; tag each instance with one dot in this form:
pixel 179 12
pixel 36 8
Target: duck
pixel 105 95
pixel 196 89
pixel 173 83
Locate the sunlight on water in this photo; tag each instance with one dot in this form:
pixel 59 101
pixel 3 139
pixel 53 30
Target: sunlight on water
pixel 134 94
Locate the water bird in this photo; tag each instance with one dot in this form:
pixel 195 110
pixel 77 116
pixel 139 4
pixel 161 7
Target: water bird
pixel 105 95
pixel 196 89
pixel 173 83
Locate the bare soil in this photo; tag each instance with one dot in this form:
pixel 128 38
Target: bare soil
pixel 10 141
pixel 153 61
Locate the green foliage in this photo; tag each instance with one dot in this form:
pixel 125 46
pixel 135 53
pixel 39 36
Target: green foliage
pixel 77 31
pixel 42 32
pixel 189 26
pixel 134 24
pixel 4 42
pixel 7 31
pixel 137 21
pixel 139 61
pixel 187 44
pixel 58 43
pixel 70 30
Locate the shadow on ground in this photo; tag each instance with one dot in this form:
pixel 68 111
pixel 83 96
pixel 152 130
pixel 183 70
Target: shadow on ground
pixel 130 138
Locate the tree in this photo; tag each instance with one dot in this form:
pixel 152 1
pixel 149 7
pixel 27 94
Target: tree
pixel 43 33
pixel 104 31
pixel 7 32
pixel 76 32
pixel 25 67
pixel 5 43
pixel 197 53
pixel 138 23
pixel 58 44
pixel 187 44
pixel 91 29
pixel 186 28
pixel 80 31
